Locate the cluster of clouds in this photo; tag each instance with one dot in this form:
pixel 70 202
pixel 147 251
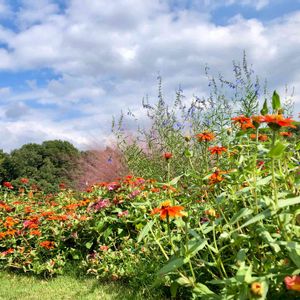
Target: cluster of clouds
pixel 90 59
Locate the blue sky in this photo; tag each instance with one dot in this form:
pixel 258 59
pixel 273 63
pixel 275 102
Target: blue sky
pixel 68 66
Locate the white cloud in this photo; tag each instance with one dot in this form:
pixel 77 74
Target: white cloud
pixel 106 56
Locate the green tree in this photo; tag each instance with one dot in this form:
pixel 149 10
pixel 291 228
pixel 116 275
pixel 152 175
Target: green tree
pixel 46 165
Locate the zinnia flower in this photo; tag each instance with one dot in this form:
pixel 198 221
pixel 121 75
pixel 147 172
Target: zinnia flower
pixel 286 133
pixel 292 283
pixel 112 186
pixel 205 136
pixel 217 150
pixel 166 210
pixel 123 213
pixel 8 185
pixel 261 137
pixel 24 180
pixel 216 177
pixel 277 121
pixel 47 244
pixel 243 121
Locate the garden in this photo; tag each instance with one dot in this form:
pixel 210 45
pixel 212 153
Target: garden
pixel 209 207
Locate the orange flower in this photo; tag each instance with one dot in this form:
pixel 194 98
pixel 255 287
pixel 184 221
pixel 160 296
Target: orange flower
pixel 72 206
pixel 167 155
pixel 258 119
pixel 211 212
pixel 243 121
pixel 166 210
pixel 277 121
pixel 261 137
pixel 104 248
pixel 216 177
pixel 205 136
pixel 257 289
pixel 5 206
pixel 10 222
pixel 35 232
pixel 8 251
pixel 47 244
pixel 292 283
pixel 28 209
pixel 286 133
pixel 217 150
pixel 47 213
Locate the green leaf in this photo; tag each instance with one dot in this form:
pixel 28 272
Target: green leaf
pixel 268 238
pixel 295 256
pixel 240 214
pixel 265 109
pixel 276 105
pixel 244 274
pixel 195 245
pixel 277 150
pixel 264 214
pixel 145 231
pixel 288 202
pixel 264 181
pixel 184 281
pixel 173 289
pixel 175 180
pixel 202 289
pixel 172 265
pixel 241 256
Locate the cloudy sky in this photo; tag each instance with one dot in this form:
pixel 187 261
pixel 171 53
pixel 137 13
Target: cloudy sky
pixel 67 66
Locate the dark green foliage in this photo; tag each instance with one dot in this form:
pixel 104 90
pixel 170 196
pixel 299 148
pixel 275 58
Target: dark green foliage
pixel 46 165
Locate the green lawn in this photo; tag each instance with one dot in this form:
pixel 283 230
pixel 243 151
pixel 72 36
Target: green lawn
pixel 63 287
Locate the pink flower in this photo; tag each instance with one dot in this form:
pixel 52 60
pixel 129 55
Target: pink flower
pixel 292 282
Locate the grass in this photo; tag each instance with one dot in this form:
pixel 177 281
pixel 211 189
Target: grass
pixel 15 287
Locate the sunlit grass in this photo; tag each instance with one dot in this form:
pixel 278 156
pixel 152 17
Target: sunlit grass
pixel 15 286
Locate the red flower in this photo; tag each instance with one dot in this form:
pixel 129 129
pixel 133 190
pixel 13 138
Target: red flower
pixel 167 155
pixel 8 185
pixel 24 180
pixel 8 251
pixel 166 210
pixel 205 136
pixel 217 150
pixel 292 283
pixel 62 186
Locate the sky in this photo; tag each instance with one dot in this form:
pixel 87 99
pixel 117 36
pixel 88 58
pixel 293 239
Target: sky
pixel 68 66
